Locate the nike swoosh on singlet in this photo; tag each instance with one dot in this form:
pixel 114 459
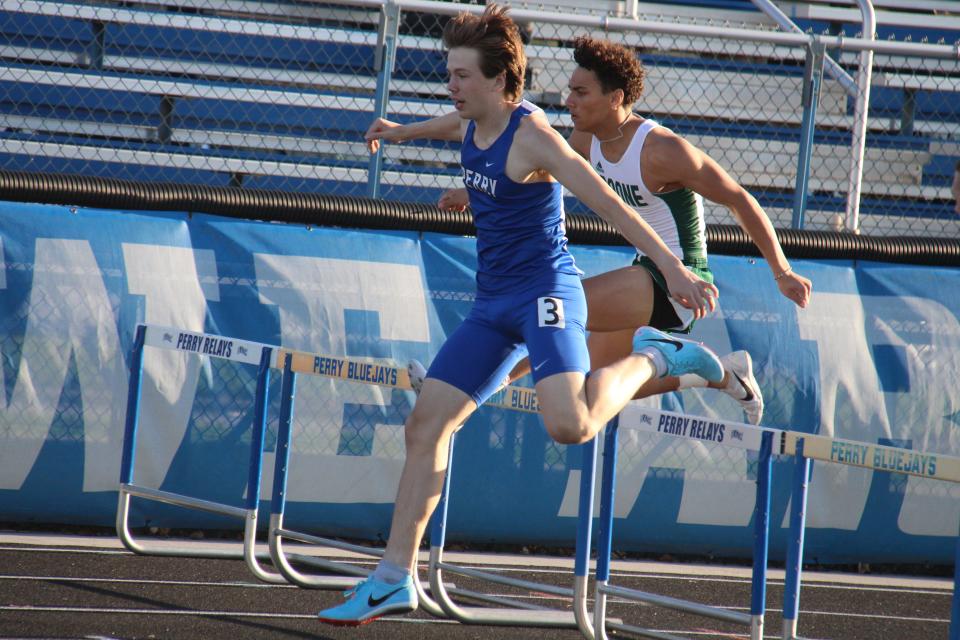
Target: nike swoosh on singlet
pixel 744 385
pixel 376 602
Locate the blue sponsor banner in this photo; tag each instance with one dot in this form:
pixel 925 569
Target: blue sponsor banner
pixel 874 358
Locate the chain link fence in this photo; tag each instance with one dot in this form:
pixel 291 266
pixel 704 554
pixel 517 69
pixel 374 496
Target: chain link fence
pixel 278 95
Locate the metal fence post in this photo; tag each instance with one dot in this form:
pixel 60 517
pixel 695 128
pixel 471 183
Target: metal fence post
pixel 383 65
pixel 812 83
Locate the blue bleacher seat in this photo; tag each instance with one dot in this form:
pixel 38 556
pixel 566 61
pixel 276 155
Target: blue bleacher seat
pixel 78 103
pixel 238 49
pixel 939 171
pixel 49 32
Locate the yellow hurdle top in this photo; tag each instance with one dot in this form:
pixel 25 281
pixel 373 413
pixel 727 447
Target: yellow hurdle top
pixel 874 456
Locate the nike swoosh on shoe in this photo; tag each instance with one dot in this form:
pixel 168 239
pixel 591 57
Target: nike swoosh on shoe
pixel 746 388
pixel 376 602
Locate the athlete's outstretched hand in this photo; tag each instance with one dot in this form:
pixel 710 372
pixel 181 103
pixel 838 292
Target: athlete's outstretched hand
pixel 381 129
pixel 795 287
pixel 691 291
pixel 454 200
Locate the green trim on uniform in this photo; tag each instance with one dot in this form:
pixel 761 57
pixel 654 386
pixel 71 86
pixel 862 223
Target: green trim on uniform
pixel 700 268
pixel 686 216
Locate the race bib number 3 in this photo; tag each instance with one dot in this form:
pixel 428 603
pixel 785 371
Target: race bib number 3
pixel 550 313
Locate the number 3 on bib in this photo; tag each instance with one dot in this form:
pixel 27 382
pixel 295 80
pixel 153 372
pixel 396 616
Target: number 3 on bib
pixel 550 313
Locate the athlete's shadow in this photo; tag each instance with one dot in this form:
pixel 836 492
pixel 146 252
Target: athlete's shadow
pixel 274 631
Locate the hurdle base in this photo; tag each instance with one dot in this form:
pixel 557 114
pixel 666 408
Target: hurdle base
pixel 281 560
pixel 247 552
pixel 640 631
pixel 677 604
pixel 510 612
pixel 790 629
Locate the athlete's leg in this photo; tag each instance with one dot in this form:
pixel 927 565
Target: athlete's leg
pixel 574 408
pixel 461 375
pixel 389 589
pixel 439 410
pixel 607 347
pixel 619 299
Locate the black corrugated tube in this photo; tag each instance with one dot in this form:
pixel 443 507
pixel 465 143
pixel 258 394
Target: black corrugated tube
pixel 341 211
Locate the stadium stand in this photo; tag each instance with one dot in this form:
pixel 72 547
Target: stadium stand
pixel 277 95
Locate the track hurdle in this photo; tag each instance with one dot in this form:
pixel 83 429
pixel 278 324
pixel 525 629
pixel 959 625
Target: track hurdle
pixel 510 611
pixel 196 344
pixel 734 434
pixel 806 448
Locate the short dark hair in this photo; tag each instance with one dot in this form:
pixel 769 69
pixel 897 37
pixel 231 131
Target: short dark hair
pixel 496 37
pixel 615 65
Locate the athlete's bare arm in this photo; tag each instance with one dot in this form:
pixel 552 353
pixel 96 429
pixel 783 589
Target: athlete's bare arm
pixel 449 126
pixel 670 162
pixel 538 148
pixel 580 141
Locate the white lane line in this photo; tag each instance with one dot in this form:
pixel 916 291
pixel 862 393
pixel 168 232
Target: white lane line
pixel 805 612
pixel 196 613
pixel 175 583
pixel 927 590
pixel 98 552
pixel 520 597
pixel 872 616
pixel 947 590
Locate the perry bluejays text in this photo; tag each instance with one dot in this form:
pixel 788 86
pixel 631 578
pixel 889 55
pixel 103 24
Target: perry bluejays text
pixel 360 371
pixel 886 459
pixel 692 428
pixel 205 344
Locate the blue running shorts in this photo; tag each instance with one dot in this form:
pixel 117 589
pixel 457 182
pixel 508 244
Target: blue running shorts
pixel 550 320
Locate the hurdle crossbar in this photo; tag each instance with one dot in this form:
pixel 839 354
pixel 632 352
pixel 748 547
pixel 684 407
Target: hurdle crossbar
pixel 698 429
pixel 809 447
pixel 380 373
pixel 214 346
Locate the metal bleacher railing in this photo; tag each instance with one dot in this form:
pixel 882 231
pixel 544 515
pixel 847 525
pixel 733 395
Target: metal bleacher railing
pixel 278 94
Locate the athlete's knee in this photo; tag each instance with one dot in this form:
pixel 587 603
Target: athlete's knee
pixel 423 432
pixel 568 428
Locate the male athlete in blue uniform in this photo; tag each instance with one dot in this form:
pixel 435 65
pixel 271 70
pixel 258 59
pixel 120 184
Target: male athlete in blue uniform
pixel 528 291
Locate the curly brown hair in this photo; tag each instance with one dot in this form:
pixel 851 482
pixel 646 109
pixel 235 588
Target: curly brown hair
pixel 616 66
pixel 496 37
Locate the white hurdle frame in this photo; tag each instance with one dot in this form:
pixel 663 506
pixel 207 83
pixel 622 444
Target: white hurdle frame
pixel 510 611
pixel 199 344
pixel 738 435
pixel 808 447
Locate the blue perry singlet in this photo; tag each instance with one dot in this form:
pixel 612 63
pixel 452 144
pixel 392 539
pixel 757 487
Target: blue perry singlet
pixel 521 238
